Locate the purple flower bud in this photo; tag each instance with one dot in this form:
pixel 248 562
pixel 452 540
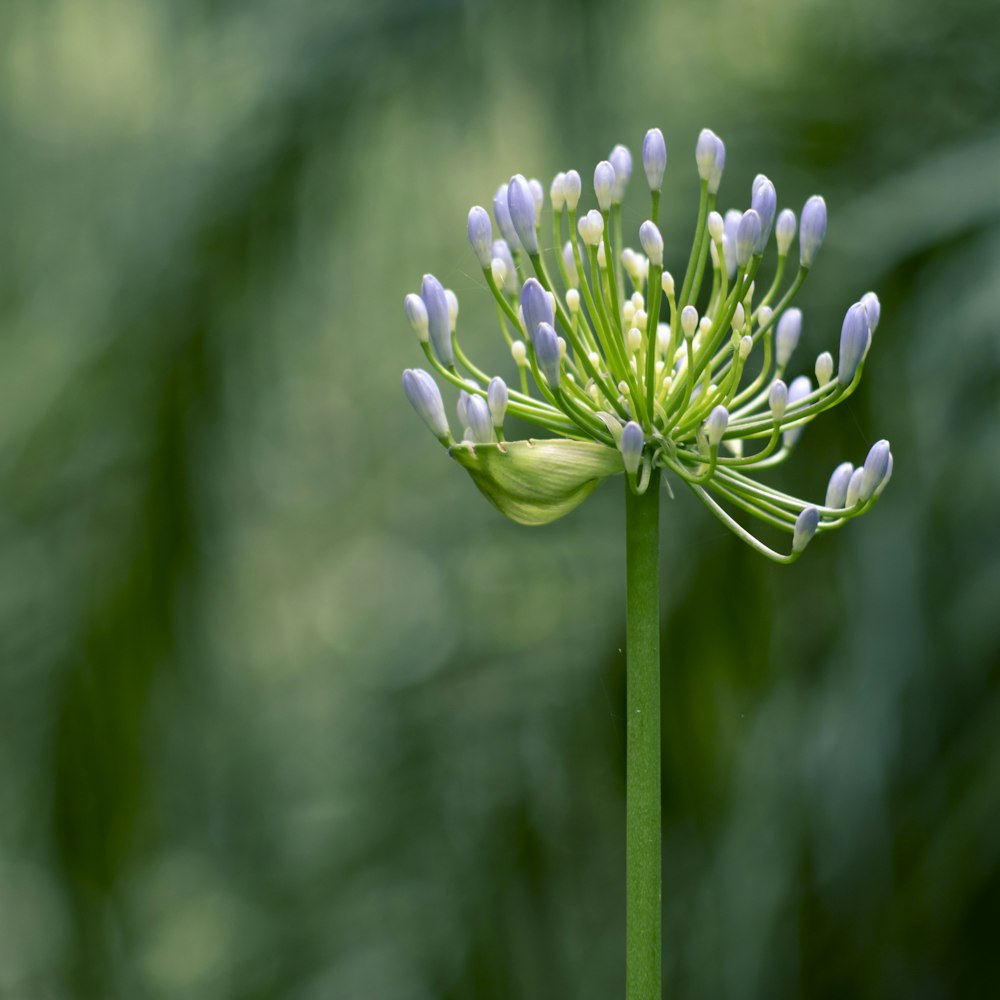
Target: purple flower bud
pixel 480 424
pixel 654 158
pixel 438 318
pixel 798 390
pixel 874 309
pixel 875 468
pixel 812 229
pixel 885 479
pixel 710 155
pixel 604 184
pixel 481 234
pixel 854 336
pixel 572 187
pixel 521 209
pixel 747 237
pixel 652 242
pixel 631 444
pixel 547 353
pixel 836 491
pixel 497 398
pixel 501 251
pixel 621 159
pixel 805 527
pixel 731 223
pixel 854 486
pixel 425 397
pixel 536 307
pixel 784 231
pixel 462 407
pixel 501 213
pixel 777 399
pixel 787 337
pixel 716 424
pixel 764 202
pixel 416 313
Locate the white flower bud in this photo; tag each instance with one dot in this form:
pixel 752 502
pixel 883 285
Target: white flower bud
pixel 746 346
pixel 573 300
pixel 452 300
pixel 824 368
pixel 667 284
pixel 784 231
pixel 591 228
pixel 519 353
pixel 604 184
pixel 689 321
pixel 716 227
pixel 557 192
pixel 716 424
pixel 652 242
pixel 416 313
pixel 572 187
pixel 499 271
pixel 777 399
pixel 634 339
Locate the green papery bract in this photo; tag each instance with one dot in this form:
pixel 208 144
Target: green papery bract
pixel 537 481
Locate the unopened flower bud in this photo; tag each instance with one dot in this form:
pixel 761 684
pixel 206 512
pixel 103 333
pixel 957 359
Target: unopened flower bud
pixel 746 346
pixel 875 467
pixel 747 237
pixel 689 321
pixel 854 486
pixel 777 399
pixel 710 155
pixel 480 425
pixel 498 269
pixel 591 227
pixel 798 390
pixel 621 159
pixel 519 353
pixel 425 397
pixel 536 307
pixel 569 261
pixel 547 353
pixel 784 231
pixel 873 308
pixel 481 234
pixel 764 202
pixel 631 444
pixel 572 187
pixel 716 424
pixel 667 284
pixel 652 242
pixel 836 490
pixel 538 196
pixel 716 226
pixel 604 184
pixel 739 317
pixel 824 368
pixel 573 300
pixel 787 336
pixel 805 527
pixel 654 158
pixel 812 229
pixel 438 319
pixel 764 314
pixel 521 208
pixel 501 212
pixel 633 339
pixel 497 398
pixel 731 223
pixel 557 192
pixel 854 336
pixel 501 251
pixel 462 407
pixel 602 258
pixel 416 313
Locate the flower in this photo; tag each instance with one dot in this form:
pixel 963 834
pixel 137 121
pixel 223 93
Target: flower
pixel 628 377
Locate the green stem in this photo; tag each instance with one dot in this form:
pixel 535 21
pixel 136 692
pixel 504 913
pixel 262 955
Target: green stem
pixel 643 942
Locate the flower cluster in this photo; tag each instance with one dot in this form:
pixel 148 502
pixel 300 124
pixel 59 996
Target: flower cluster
pixel 700 392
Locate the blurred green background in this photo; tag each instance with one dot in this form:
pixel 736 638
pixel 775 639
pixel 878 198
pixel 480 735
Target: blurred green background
pixel 286 709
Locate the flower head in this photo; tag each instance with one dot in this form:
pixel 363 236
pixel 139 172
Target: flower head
pixel 626 371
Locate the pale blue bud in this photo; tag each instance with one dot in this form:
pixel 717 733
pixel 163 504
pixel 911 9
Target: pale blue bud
pixel 521 207
pixel 462 407
pixel 874 309
pixel 557 192
pixel 875 468
pixel 480 423
pixel 604 184
pixel 425 397
pixel 836 490
pixel 764 202
pixel 854 336
pixel 538 197
pixel 784 231
pixel 777 399
pixel 798 390
pixel 547 353
pixel 438 318
pixel 805 527
pixel 885 479
pixel 536 307
pixel 652 242
pixel 710 155
pixel 501 251
pixel 631 444
pixel 787 336
pixel 730 224
pixel 716 424
pixel 501 212
pixel 854 486
pixel 654 158
pixel 497 398
pixel 621 159
pixel 572 187
pixel 569 259
pixel 481 234
pixel 416 313
pixel 812 229
pixel 747 237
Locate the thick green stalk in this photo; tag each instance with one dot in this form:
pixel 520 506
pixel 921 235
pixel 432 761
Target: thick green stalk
pixel 643 977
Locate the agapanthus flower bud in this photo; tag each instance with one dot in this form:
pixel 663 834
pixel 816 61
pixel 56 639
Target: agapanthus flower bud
pixel 716 424
pixel 764 202
pixel 812 229
pixel 689 321
pixel 547 353
pixel 764 314
pixel 633 339
pixel 498 269
pixel 572 300
pixel 479 422
pixel 787 336
pixel 557 192
pixel 873 308
pixel 631 444
pixel 569 261
pixel 836 490
pixel 731 223
pixel 572 187
pixel 716 226
pixel 784 231
pixel 604 184
pixel 536 307
pixel 854 336
pixel 481 234
pixel 425 397
pixel 777 399
pixel 854 486
pixel 824 368
pixel 519 353
pixel 805 527
pixel 885 478
pixel 416 313
pixel 591 227
pixel 501 251
pixel 739 317
pixel 747 237
pixel 621 159
pixel 501 212
pixel 654 158
pixel 710 155
pixel 602 257
pixel 667 284
pixel 438 318
pixel 497 399
pixel 652 242
pixel 875 467
pixel 521 207
pixel 799 389
pixel 746 346
pixel 462 407
pixel 538 196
